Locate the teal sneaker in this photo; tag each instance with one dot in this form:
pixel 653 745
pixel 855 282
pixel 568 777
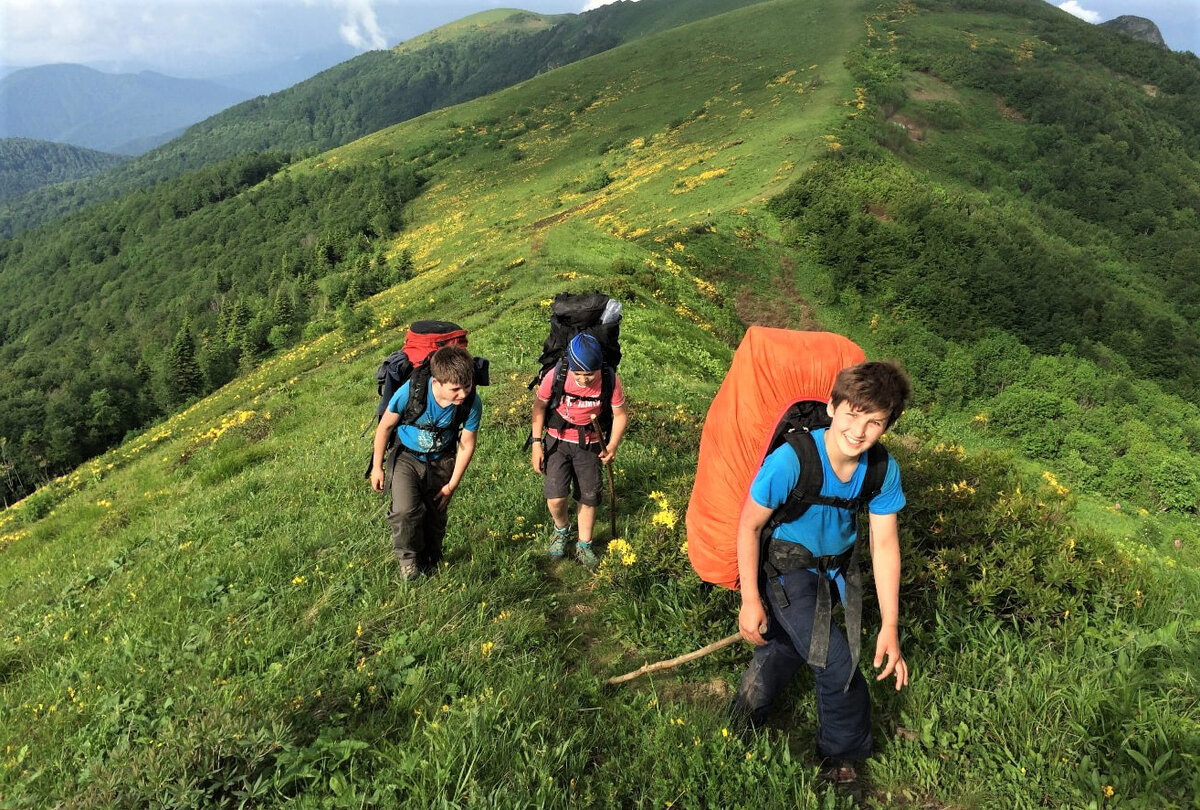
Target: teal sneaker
pixel 585 555
pixel 558 542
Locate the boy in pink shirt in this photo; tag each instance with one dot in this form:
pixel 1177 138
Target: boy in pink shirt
pixel 574 451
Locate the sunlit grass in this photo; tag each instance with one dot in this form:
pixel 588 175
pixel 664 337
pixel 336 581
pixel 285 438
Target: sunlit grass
pixel 208 615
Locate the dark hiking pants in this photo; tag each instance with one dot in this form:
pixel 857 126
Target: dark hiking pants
pixel 418 526
pixel 843 717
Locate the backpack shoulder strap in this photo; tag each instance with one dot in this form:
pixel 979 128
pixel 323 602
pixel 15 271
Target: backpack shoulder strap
pixel 462 412
pixel 812 477
pixel 807 491
pixel 877 465
pixel 560 383
pixel 418 389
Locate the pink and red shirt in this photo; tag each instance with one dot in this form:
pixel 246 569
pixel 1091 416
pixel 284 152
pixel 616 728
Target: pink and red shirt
pixel 579 404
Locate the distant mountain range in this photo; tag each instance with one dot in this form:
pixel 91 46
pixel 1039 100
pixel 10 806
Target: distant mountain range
pixel 121 113
pixel 131 113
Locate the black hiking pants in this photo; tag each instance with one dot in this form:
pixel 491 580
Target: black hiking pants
pixel 843 714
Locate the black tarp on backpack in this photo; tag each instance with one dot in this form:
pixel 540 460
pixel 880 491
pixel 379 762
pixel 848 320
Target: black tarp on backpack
pixel 595 314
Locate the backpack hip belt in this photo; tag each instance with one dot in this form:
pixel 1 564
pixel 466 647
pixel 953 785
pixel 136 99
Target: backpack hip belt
pixel 783 557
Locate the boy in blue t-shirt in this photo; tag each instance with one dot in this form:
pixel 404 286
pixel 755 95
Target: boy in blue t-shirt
pixel 866 400
pixel 428 460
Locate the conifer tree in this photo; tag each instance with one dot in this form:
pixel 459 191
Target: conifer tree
pixel 183 376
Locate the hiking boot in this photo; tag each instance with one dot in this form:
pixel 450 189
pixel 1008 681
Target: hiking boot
pixel 839 772
pixel 409 570
pixel 585 555
pixel 558 542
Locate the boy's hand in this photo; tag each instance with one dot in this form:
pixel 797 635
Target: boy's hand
pixel 751 619
pixel 888 646
pixel 537 458
pixel 377 478
pixel 607 455
pixel 442 499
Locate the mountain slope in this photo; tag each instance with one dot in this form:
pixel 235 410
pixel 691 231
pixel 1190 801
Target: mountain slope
pixel 378 89
pixel 149 263
pixel 84 107
pixel 206 616
pixel 26 164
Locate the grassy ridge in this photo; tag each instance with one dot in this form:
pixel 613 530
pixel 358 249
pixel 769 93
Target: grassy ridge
pixel 207 615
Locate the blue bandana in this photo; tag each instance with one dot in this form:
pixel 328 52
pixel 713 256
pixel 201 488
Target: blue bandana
pixel 584 353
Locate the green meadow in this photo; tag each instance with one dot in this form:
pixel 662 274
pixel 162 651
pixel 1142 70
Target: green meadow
pixel 209 615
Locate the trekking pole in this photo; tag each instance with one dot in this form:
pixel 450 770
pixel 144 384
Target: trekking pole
pixel 612 488
pixel 674 662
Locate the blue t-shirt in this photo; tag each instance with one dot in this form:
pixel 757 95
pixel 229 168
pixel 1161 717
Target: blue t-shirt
pixel 823 530
pixel 422 438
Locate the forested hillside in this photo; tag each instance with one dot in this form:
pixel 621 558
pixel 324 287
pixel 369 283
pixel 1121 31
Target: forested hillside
pixel 140 305
pixel 27 164
pixel 376 90
pixel 208 614
pixel 106 300
pixel 1028 238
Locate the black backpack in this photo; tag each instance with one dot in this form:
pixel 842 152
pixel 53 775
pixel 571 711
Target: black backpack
pixel 595 314
pixel 795 428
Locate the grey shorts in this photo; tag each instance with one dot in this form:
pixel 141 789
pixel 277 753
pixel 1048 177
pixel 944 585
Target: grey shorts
pixel 567 463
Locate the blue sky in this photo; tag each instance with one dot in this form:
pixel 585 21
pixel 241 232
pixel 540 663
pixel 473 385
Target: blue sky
pixel 203 38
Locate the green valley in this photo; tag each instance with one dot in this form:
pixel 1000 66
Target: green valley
pixel 208 615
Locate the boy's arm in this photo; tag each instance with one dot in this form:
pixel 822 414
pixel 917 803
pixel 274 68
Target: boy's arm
pixel 387 423
pixel 462 458
pixel 537 447
pixel 619 424
pixel 885 563
pixel 752 616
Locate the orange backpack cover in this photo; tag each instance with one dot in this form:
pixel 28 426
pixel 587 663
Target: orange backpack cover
pixel 771 369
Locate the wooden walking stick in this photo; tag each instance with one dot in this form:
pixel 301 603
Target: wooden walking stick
pixel 612 488
pixel 674 662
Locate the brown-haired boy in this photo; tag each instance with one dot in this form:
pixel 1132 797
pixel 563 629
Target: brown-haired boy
pixel 866 400
pixel 429 458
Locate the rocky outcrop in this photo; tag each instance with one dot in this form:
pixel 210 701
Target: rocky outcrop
pixel 1138 28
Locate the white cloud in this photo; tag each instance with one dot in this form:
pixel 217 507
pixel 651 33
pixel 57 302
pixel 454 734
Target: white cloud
pixel 1073 7
pixel 361 27
pixel 594 4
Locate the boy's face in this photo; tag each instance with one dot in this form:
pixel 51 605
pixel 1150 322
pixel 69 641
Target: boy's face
pixel 584 378
pixel 854 431
pixel 447 394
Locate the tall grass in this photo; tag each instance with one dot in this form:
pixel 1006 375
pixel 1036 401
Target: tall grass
pixel 208 616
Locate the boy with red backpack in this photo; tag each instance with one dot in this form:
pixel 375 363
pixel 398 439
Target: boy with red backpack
pixel 433 419
pixel 573 407
pixel 786 565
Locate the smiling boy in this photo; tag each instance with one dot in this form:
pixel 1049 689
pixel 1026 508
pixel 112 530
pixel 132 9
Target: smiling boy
pixel 805 555
pixel 429 458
